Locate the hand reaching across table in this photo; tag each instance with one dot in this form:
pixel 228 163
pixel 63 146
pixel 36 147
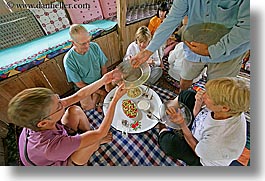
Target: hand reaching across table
pixel 140 58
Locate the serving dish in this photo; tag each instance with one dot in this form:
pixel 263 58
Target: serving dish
pixel 207 33
pixel 133 77
pixel 129 108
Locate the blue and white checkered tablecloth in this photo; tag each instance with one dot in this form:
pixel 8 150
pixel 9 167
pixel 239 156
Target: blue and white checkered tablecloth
pixel 139 149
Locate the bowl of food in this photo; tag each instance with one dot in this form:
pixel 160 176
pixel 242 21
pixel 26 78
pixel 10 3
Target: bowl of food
pixel 144 105
pixel 166 119
pixel 134 93
pixel 129 108
pixel 133 77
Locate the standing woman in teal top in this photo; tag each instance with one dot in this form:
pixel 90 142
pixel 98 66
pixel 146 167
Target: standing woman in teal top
pixel 84 64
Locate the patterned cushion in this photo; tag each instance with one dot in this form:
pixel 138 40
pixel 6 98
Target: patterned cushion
pixel 108 8
pixel 17 28
pixel 51 19
pixel 83 11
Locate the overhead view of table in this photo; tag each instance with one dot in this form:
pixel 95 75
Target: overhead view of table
pixel 141 123
pixel 140 147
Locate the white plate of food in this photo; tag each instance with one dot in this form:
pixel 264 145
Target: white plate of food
pixel 139 123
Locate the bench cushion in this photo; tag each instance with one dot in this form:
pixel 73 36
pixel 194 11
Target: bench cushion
pixel 109 8
pixel 22 57
pixel 51 19
pixel 83 11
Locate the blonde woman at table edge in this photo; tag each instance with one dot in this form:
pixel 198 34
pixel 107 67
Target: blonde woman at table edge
pixel 50 125
pixel 217 135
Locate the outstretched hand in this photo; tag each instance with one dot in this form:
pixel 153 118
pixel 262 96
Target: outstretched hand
pixel 140 58
pixel 175 116
pixel 112 76
pixel 198 48
pixel 120 92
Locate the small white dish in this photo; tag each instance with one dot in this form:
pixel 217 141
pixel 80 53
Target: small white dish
pixel 144 105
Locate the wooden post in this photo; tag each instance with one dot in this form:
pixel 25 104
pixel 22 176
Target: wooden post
pixel 121 18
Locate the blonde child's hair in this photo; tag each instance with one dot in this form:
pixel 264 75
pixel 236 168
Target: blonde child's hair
pixel 143 34
pixel 229 91
pixel 29 107
pixel 76 29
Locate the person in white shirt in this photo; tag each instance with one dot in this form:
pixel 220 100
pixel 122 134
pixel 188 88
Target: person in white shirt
pixel 217 135
pixel 142 39
pixel 175 60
